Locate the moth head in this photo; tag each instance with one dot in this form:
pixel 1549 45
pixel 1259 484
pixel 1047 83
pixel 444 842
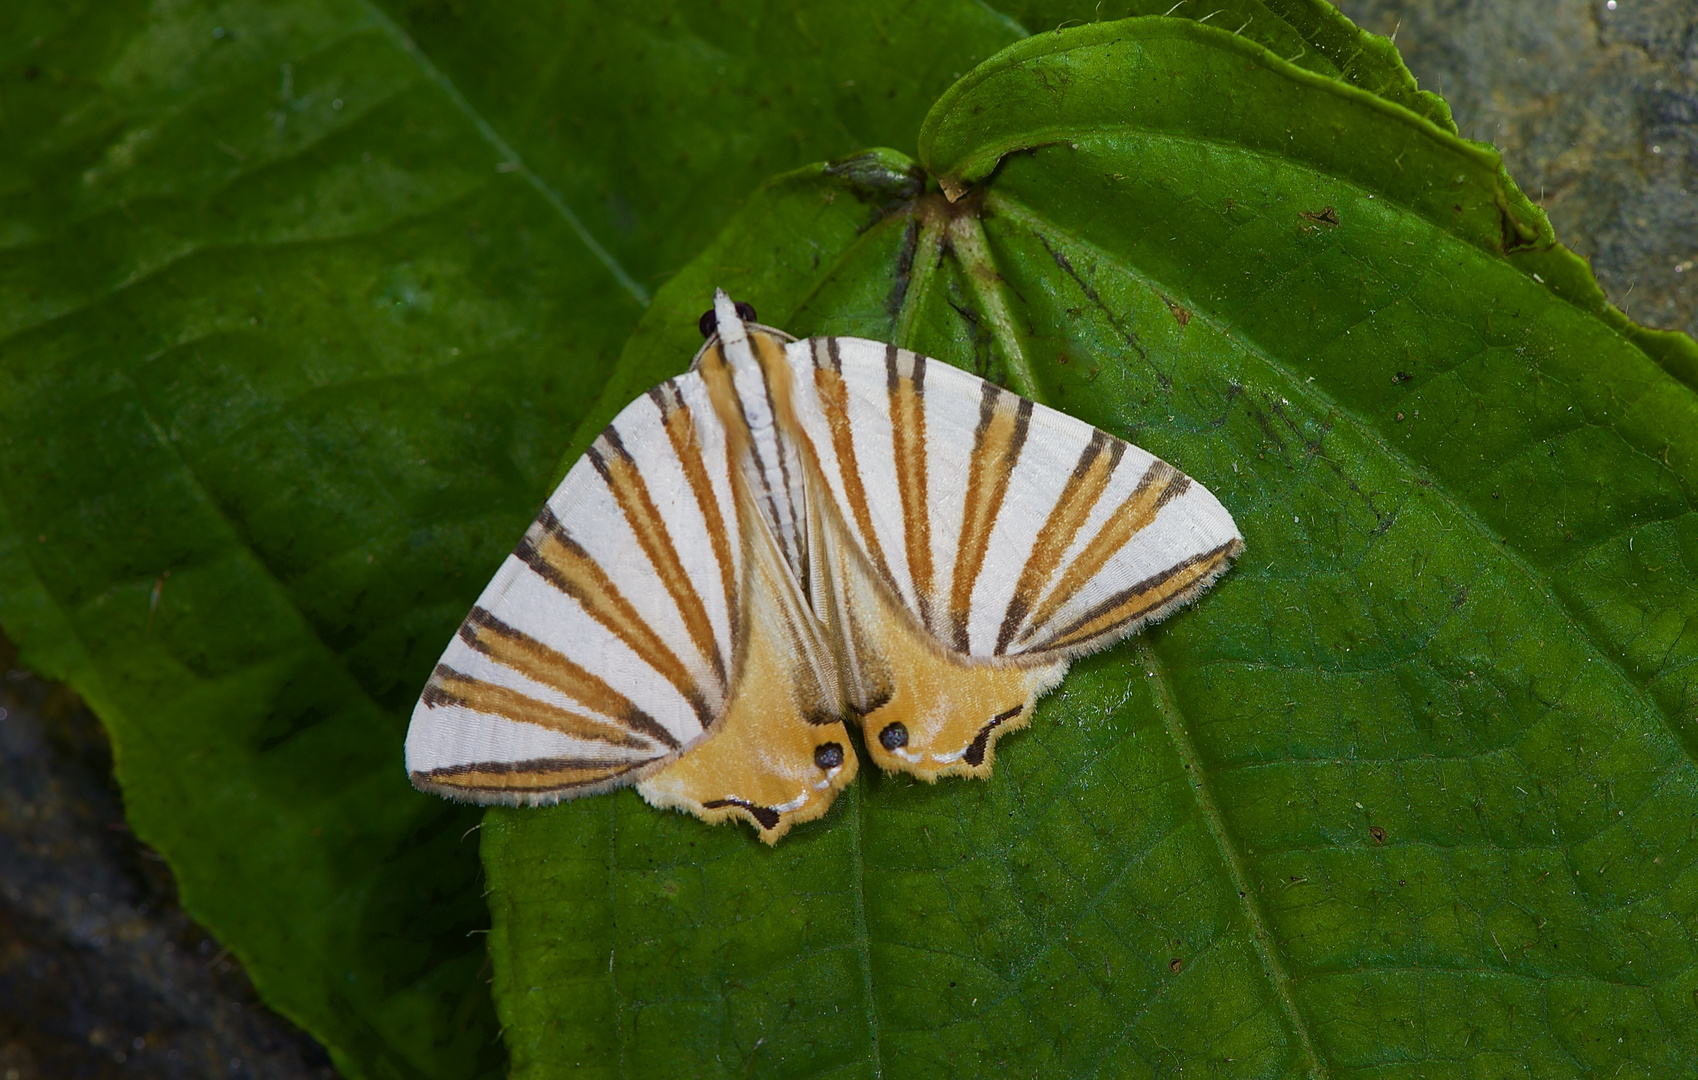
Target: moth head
pixel 708 324
pixel 729 327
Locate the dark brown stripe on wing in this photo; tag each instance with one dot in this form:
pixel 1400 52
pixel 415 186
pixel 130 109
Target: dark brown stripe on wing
pixel 1160 484
pixel 538 662
pixel 681 429
pixel 450 687
pixel 625 480
pixel 769 355
pixel 1003 422
pixel 1078 497
pixel 1173 585
pixel 908 443
pixel 527 777
pixel 834 402
pixel 560 561
pixel 720 380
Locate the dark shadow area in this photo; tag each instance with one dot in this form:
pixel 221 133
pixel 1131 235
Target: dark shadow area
pixel 101 973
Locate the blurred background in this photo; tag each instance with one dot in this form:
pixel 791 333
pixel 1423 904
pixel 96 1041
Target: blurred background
pixel 1594 104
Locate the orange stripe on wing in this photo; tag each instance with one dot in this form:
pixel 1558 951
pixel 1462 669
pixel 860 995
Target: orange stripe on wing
pixel 559 560
pixel 544 775
pixel 1079 496
pixel 541 664
pixel 1003 422
pixel 1160 483
pixel 681 429
pixel 1149 598
pixel 834 402
pixel 625 480
pixel 719 379
pixel 450 687
pixel 908 442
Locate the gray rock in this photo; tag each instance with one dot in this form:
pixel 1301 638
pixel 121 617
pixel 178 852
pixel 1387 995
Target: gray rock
pixel 101 973
pixel 1594 104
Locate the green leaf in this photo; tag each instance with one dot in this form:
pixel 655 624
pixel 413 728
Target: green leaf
pixel 1311 34
pixel 658 119
pixel 1412 791
pixel 282 361
pixel 297 310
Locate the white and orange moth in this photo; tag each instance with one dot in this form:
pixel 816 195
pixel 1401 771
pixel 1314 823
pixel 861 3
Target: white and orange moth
pixel 792 536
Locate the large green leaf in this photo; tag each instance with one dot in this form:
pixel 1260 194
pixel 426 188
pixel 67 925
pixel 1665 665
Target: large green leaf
pixel 654 121
pixel 293 327
pixel 1412 792
pixel 1311 34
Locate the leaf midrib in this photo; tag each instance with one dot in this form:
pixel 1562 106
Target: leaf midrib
pixel 509 155
pixel 990 288
pixel 863 940
pixel 1266 948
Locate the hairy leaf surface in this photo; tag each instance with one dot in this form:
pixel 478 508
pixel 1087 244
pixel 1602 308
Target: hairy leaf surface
pixel 1412 791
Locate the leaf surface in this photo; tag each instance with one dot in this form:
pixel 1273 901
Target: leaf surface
pixel 1412 791
pixel 298 304
pixel 654 121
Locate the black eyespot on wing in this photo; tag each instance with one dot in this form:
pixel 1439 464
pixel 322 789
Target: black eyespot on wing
pixel 894 736
pixel 709 322
pixel 828 756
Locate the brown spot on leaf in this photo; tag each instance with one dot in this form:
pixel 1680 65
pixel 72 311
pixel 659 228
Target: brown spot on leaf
pixel 1326 215
pixel 1377 833
pixel 1175 964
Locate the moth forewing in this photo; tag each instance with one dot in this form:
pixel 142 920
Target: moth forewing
pixel 994 539
pixel 595 654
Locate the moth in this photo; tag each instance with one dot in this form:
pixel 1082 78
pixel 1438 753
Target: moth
pixel 792 537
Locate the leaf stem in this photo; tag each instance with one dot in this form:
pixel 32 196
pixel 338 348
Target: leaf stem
pixel 968 238
pixel 1263 938
pixel 932 229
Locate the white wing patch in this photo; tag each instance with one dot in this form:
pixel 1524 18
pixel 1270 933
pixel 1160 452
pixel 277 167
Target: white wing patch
pixel 1081 526
pixel 793 535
